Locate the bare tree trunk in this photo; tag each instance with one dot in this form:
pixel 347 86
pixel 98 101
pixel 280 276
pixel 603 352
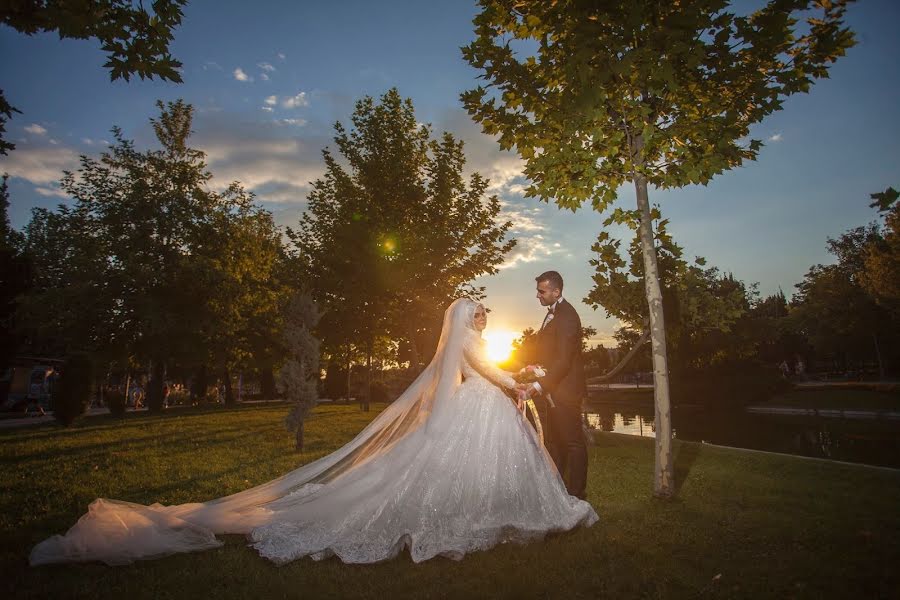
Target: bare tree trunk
pixel 368 393
pixel 878 356
pixel 413 350
pixel 229 393
pixel 664 473
pixel 299 437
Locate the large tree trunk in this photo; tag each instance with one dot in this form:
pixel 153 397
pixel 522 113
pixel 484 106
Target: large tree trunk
pixel 155 395
pixel 414 359
pixel 229 393
pixel 664 473
pixel 267 383
pixel 367 395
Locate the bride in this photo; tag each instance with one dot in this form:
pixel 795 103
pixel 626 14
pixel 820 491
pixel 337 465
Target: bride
pixel 449 468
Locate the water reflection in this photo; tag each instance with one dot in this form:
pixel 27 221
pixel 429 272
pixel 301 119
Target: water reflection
pixel 864 441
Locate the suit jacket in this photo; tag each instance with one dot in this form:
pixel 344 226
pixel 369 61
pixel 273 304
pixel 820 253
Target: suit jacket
pixel 558 350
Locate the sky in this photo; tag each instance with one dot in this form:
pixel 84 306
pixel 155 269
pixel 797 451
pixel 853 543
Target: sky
pixel 269 79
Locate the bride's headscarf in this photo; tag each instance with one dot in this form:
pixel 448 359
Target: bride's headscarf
pixel 118 532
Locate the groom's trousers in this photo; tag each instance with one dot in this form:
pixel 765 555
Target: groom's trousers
pixel 568 448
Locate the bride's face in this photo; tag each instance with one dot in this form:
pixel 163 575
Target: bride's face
pixel 480 318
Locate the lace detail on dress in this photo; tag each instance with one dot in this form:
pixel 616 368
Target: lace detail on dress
pixel 478 364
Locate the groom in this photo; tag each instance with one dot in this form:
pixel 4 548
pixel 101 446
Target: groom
pixel 558 350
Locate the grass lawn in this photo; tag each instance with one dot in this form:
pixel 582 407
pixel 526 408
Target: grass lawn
pixel 744 525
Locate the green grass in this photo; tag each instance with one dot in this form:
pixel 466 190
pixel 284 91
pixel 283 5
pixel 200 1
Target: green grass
pixel 744 525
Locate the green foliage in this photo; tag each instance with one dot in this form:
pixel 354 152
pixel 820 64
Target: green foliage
pixel 136 41
pixel 849 310
pixel 149 262
pixel 15 279
pixel 880 276
pixel 593 94
pixel 361 242
pixel 73 393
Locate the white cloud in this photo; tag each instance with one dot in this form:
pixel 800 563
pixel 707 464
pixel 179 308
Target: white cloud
pixel 267 108
pixel 275 168
pixel 528 250
pixel 212 65
pixel 263 76
pixel 41 166
pixel 296 101
pixel 55 142
pixel 272 100
pixel 241 76
pixel 266 66
pixel 297 122
pixel 281 55
pixel 36 129
pixel 775 138
pixel 51 192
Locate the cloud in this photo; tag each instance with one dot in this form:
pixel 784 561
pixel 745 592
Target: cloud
pixel 528 250
pixel 295 101
pixel 296 122
pixel 36 129
pixel 267 108
pixel 775 137
pixel 41 166
pixel 271 100
pixel 266 66
pixel 51 192
pixel 211 65
pixel 281 55
pixel 276 168
pixel 241 76
pixel 263 76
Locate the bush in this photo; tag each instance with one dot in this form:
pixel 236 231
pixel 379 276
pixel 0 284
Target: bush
pixel 115 402
pixel 73 394
pixel 179 396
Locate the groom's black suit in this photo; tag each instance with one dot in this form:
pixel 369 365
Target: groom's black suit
pixel 558 350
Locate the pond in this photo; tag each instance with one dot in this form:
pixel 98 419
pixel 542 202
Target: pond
pixel 874 442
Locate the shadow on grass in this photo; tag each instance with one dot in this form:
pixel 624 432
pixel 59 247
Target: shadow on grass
pixel 685 456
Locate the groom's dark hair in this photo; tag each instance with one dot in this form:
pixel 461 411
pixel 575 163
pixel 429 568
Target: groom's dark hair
pixel 551 277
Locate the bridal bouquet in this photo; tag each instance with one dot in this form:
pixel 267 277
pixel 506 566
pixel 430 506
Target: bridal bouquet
pixel 530 374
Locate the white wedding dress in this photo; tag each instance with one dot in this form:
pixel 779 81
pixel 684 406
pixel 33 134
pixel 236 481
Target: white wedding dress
pixel 449 468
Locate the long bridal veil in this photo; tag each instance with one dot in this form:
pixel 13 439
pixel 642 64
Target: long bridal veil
pixel 117 532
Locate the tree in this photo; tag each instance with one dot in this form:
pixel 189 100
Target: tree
pixel 150 264
pixel 881 273
pixel 135 41
pixel 835 309
pixel 653 93
pixel 15 279
pixel 300 373
pixel 361 242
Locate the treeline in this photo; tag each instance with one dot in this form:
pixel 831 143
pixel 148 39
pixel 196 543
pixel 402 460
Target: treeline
pixel 149 268
pixel 726 341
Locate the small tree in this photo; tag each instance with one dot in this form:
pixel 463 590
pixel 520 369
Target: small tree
pixel 596 94
pixel 300 373
pixel 72 395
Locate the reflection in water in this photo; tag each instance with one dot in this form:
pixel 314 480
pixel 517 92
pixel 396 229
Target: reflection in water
pixel 864 441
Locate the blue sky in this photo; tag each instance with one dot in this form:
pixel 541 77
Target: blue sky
pixel 302 65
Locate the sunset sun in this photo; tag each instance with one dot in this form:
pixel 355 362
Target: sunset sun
pixel 499 344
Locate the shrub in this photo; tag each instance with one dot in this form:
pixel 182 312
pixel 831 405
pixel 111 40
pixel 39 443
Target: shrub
pixel 115 402
pixel 73 394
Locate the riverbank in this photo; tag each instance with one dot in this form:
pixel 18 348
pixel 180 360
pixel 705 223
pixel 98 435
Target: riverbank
pixel 744 525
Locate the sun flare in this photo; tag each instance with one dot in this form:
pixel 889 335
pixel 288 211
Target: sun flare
pixel 499 344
